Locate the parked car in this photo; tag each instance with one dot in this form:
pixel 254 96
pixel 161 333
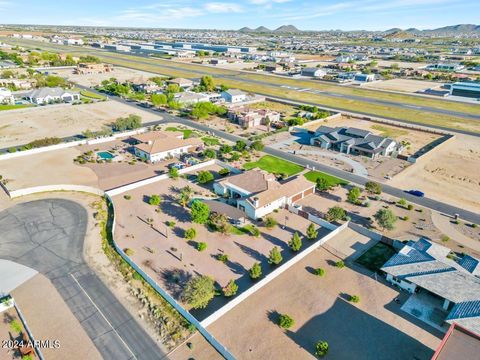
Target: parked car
pixel 416 193
pixel 178 165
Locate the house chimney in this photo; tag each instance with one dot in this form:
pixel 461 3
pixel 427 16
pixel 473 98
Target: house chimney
pixel 255 202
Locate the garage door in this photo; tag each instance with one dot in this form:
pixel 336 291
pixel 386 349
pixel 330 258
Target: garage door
pixel 308 192
pixel 297 197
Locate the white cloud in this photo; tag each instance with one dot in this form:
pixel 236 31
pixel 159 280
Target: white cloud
pixel 267 2
pixel 220 7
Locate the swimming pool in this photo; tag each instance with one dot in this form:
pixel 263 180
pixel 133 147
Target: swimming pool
pixel 105 155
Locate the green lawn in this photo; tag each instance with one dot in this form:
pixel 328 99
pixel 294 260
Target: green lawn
pixel 274 165
pixel 186 132
pixel 92 95
pixel 332 180
pixel 13 107
pixel 210 141
pixel 374 258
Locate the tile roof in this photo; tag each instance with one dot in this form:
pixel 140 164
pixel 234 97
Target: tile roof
pixel 425 264
pixel 157 141
pixel 251 181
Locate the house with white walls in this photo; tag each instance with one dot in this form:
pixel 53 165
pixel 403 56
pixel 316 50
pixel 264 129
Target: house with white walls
pixel 258 193
pixel 156 146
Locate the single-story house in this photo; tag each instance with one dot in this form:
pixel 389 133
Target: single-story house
pixel 235 215
pixel 427 269
pixel 156 146
pixel 145 85
pixel 6 96
pixel 52 95
pixel 258 193
pixel 249 118
pixel 181 82
pixel 234 96
pixel 355 141
pixel 313 72
pixel 190 97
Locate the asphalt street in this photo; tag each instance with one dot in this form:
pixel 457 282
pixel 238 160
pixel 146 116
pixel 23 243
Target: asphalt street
pixel 48 236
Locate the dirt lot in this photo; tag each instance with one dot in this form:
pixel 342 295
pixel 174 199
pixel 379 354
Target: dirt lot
pixel 419 221
pixel 416 139
pixel 374 328
pixel 172 260
pixel 404 85
pixel 19 127
pixel 450 174
pixel 120 73
pixel 53 167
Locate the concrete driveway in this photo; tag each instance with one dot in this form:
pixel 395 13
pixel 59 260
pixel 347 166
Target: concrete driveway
pixel 48 236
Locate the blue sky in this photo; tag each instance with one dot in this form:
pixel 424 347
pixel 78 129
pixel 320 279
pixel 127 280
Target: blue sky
pixel 234 14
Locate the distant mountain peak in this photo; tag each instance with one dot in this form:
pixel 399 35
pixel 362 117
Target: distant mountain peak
pixel 263 29
pixel 287 29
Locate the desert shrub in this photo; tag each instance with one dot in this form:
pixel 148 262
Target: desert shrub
pixel 222 257
pixel 255 271
pixel 154 200
pixel 127 197
pixel 319 272
pixel 201 246
pixel 230 289
pixel 128 251
pixel 354 298
pixel 270 222
pixel 285 321
pixel 190 234
pixel 340 264
pixel 321 348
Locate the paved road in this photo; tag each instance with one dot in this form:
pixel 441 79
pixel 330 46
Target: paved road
pixel 48 236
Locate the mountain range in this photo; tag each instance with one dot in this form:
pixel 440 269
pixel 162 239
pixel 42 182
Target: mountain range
pixel 454 29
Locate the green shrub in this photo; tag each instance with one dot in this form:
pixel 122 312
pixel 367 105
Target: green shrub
pixel 201 246
pixel 444 238
pixel 127 197
pixel 354 298
pixel 474 225
pixel 319 272
pixel 154 200
pixel 16 326
pixel 270 222
pixel 410 207
pixel 275 257
pixel 137 276
pixel 190 234
pixel 321 348
pixel 285 321
pixel 128 251
pixel 340 264
pixel 255 271
pixel 230 289
pixel 222 257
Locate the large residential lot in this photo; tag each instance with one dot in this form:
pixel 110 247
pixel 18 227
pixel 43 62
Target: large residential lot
pixel 374 328
pixel 163 252
pixel 119 73
pixel 450 174
pixel 19 127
